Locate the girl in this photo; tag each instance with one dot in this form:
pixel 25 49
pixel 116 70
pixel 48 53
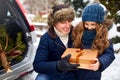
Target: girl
pixel 92 33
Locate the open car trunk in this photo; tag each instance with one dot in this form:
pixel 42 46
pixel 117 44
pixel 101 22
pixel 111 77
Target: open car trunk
pixel 16 44
pixel 13 42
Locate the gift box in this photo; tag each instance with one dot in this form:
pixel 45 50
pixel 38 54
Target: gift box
pixel 82 56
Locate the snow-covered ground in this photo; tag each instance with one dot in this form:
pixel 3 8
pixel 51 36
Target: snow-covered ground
pixel 113 71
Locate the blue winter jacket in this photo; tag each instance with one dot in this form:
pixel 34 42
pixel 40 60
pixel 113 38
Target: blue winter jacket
pixel 48 53
pixel 50 50
pixel 105 59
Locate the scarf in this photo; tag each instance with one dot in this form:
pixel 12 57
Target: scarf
pixel 88 37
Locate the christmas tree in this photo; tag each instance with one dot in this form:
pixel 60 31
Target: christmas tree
pixel 9 49
pixel 113 7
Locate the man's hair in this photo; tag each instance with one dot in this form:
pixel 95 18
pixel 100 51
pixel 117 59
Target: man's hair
pixel 59 13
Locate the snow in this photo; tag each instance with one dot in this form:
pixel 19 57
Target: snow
pixel 113 32
pixel 76 21
pixel 113 71
pixel 40 32
pixel 116 46
pixel 39 24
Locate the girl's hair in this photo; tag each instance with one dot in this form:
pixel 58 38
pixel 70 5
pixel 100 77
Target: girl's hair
pixel 59 13
pixel 100 42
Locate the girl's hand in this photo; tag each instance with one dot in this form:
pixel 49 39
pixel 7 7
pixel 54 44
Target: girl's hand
pixel 95 66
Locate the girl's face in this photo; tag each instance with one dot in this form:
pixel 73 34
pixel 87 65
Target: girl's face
pixel 90 25
pixel 63 27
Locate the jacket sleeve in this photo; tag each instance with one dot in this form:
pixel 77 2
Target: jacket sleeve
pixel 41 63
pixel 107 57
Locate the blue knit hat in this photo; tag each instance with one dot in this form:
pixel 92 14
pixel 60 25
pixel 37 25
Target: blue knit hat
pixel 93 12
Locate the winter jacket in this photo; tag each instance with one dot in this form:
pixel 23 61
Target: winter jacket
pixel 105 59
pixel 48 53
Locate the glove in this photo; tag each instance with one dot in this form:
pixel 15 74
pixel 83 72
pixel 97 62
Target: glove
pixel 64 66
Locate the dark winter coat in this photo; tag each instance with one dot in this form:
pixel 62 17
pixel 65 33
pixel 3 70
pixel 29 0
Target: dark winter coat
pixel 48 53
pixel 105 59
pixel 51 48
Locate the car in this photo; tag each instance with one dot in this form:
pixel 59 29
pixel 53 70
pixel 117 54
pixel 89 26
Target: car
pixel 17 41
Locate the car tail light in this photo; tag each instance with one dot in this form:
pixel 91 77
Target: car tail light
pixel 26 16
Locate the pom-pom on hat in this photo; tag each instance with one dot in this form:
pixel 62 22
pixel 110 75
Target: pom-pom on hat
pixel 93 12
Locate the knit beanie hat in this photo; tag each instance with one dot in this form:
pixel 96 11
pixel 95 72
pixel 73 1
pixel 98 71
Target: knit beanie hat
pixel 93 12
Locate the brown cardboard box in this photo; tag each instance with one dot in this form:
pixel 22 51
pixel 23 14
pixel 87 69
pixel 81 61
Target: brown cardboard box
pixel 82 56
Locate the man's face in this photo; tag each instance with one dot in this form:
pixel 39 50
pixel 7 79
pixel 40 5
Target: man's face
pixel 63 27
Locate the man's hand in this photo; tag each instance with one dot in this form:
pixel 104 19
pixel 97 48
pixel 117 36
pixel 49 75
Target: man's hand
pixel 64 65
